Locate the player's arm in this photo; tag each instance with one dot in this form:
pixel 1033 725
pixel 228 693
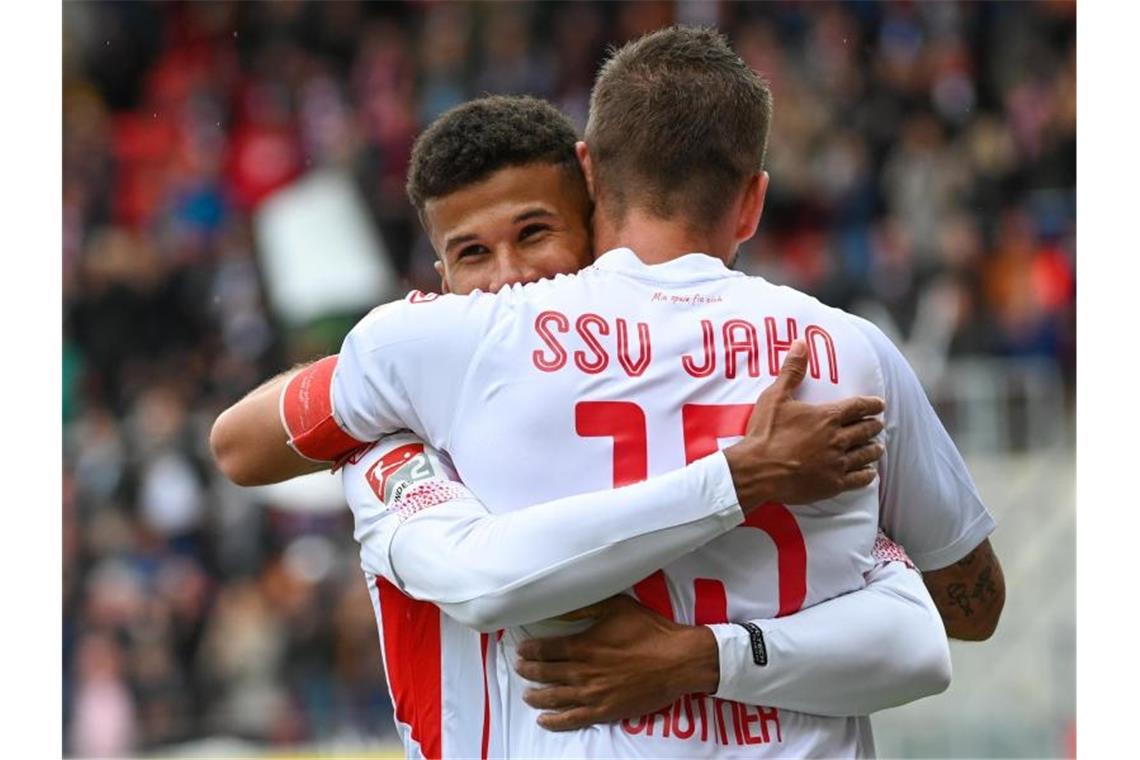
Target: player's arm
pixel 930 505
pixel 299 421
pixel 249 440
pixel 437 543
pixel 969 594
pixel 489 571
pixel 873 649
pixel 868 650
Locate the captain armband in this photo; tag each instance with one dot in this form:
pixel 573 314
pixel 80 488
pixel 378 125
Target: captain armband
pixel 306 413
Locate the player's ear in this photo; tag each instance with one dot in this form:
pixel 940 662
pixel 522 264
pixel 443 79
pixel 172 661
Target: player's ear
pixel 442 272
pixel 752 206
pixel 587 167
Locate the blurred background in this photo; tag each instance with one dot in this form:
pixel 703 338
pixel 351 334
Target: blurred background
pixel 233 201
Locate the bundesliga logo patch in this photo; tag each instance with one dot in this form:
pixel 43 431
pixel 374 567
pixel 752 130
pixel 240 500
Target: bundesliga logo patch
pixel 397 470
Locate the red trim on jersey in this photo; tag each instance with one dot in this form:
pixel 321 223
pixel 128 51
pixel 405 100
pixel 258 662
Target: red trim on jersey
pixel 414 661
pixel 484 642
pixel 306 412
pixel 711 605
pixel 653 592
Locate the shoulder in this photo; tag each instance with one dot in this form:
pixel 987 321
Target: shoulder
pixel 521 295
pixel 380 471
pixel 888 354
pixel 808 310
pixel 420 316
pixel 857 343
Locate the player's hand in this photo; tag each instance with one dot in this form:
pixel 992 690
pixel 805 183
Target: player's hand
pixel 797 453
pixel 631 662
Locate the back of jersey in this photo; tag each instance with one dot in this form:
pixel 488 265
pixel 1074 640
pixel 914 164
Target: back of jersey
pixel 626 371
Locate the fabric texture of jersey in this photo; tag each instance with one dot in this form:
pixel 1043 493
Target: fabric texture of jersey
pixel 437 669
pixel 437 558
pixel 624 371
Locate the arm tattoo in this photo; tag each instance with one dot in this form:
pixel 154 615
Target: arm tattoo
pixel 958 595
pixel 984 587
pixel 969 594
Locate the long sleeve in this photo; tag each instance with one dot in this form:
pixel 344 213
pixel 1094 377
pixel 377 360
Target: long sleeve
pixel 438 543
pixel 879 647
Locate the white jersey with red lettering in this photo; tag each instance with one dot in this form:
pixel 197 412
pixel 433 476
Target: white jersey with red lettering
pixel 625 370
pixel 436 668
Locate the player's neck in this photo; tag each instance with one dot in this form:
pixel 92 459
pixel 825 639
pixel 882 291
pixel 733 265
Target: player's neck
pixel 654 240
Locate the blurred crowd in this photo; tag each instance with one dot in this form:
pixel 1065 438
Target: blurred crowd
pixel 923 162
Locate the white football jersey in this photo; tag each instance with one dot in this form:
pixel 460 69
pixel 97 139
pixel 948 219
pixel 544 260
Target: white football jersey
pixel 437 669
pixel 623 371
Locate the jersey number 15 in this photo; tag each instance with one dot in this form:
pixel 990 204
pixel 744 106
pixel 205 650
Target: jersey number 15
pixel 624 422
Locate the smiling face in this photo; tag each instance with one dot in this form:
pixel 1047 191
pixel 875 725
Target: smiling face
pixel 520 224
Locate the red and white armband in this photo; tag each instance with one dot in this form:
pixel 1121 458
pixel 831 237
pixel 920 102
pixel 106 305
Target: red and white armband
pixel 307 414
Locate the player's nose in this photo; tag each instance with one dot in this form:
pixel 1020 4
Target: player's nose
pixel 513 268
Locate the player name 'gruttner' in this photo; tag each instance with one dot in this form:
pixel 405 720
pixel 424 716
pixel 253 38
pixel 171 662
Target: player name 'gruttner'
pixel 745 724
pixel 736 341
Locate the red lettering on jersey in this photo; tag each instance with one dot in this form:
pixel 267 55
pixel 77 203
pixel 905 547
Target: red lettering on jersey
pixel 791 553
pixel 624 421
pixel 769 715
pixel 810 335
pixel 777 346
pixel 747 719
pixel 418 296
pixel 644 351
pixel 737 720
pixel 635 725
pixel 704 718
pixel 562 324
pixel 683 705
pixel 705 424
pixel 718 713
pixel 664 713
pixel 750 723
pixel 734 344
pixel 707 367
pixel 601 360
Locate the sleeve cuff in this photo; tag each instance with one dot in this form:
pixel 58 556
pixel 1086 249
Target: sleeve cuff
pixel 715 485
pixel 734 647
pixel 982 526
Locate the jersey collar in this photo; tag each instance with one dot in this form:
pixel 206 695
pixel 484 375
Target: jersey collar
pixel 691 267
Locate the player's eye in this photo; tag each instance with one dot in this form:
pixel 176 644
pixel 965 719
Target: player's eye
pixel 532 231
pixel 472 250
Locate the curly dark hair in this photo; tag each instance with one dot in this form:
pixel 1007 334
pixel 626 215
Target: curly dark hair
pixel 478 138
